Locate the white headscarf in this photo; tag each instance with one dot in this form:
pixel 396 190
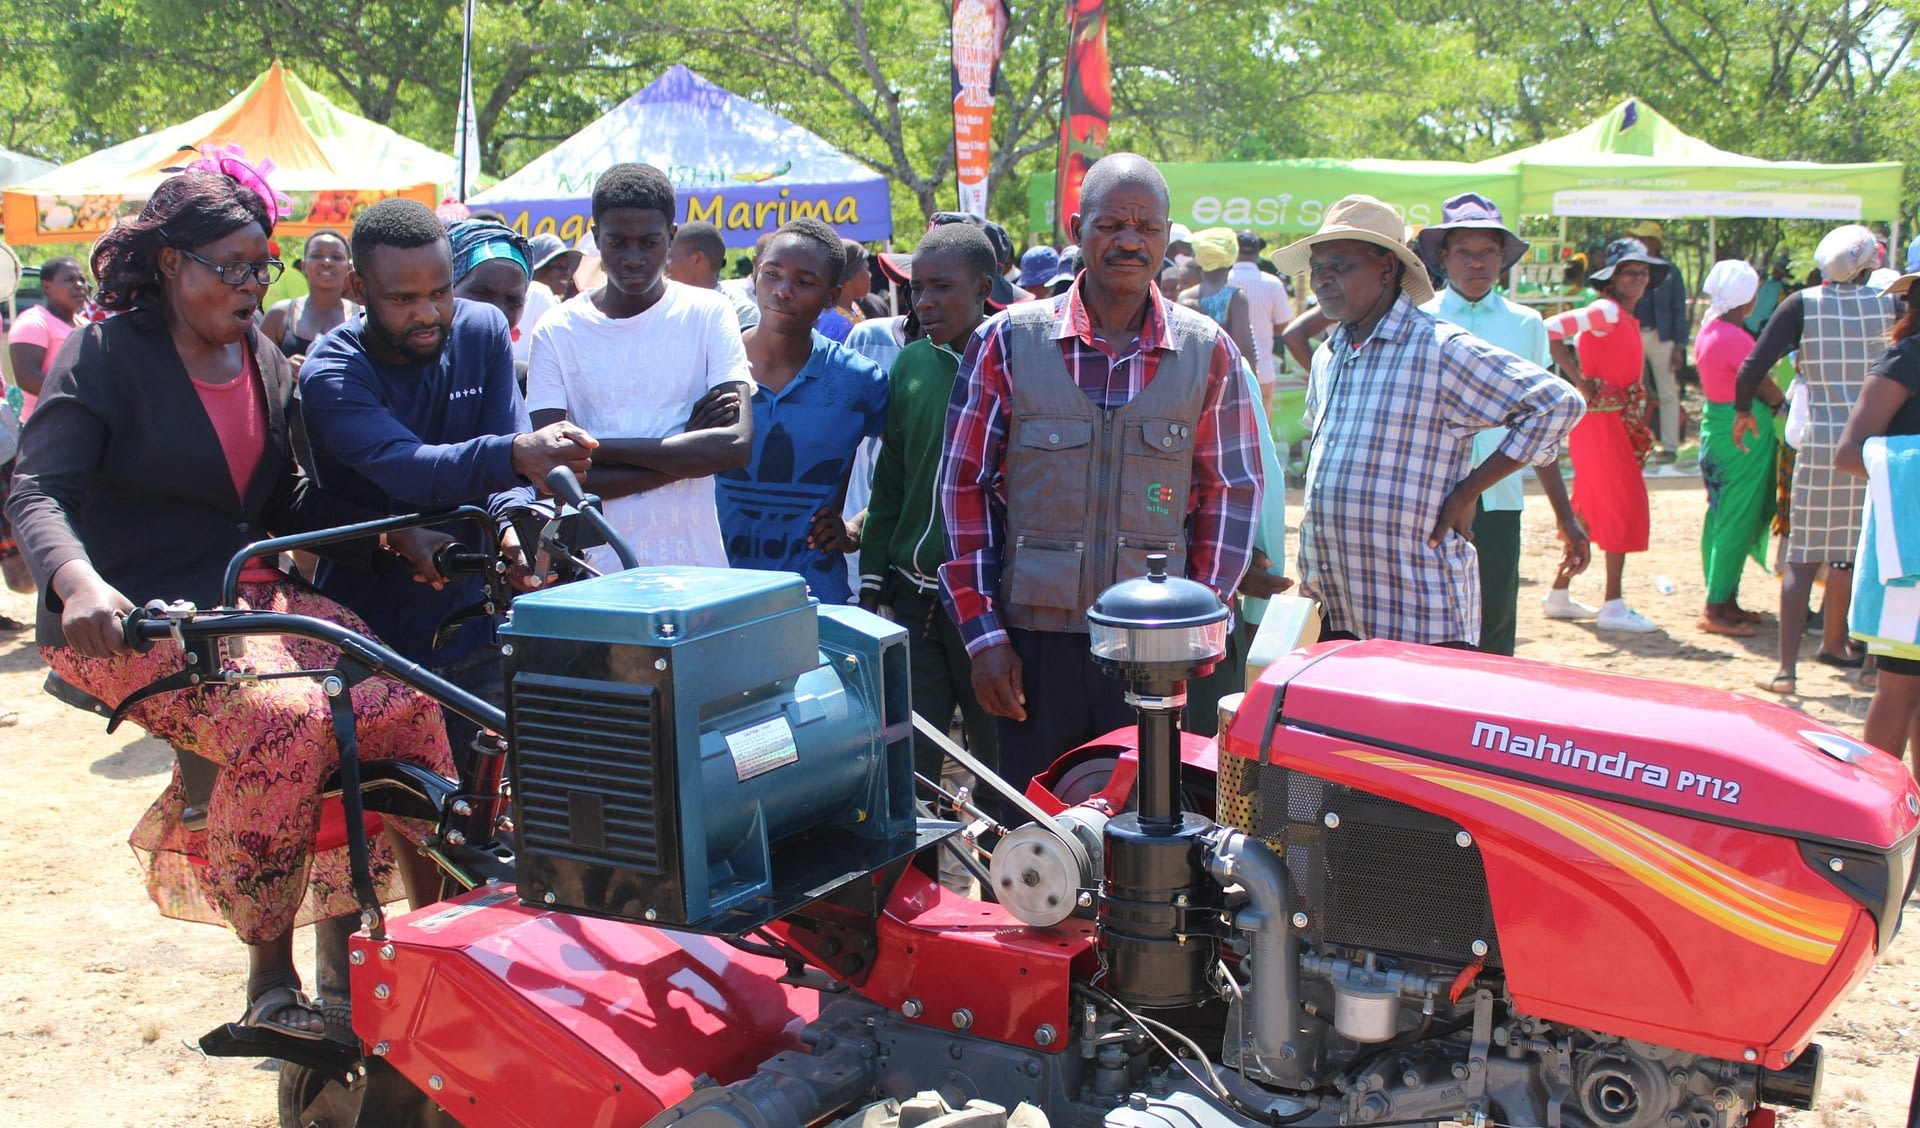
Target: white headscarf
pixel 1731 284
pixel 1845 252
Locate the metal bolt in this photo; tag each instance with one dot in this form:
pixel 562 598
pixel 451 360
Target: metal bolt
pixel 436 1083
pixel 1750 1054
pixel 659 663
pixel 1724 1098
pixel 380 1049
pixel 462 808
pixel 1463 840
pixel 332 686
pixel 1836 865
pixel 962 1019
pixel 456 838
pixel 503 824
pixel 506 648
pixel 911 1008
pixel 1299 920
pixel 1045 1035
pixel 1332 820
pixel 853 663
pixel 1479 947
pixel 386 951
pixel 548 897
pixel 1180 900
pixel 381 990
pixel 357 958
pixel 652 914
pixel 1084 900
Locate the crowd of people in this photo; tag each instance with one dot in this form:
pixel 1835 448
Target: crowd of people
pixel 978 465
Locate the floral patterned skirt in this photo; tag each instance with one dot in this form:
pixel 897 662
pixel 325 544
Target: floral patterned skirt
pixel 255 867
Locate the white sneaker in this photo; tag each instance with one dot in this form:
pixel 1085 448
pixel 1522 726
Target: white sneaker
pixel 1559 604
pixel 1615 615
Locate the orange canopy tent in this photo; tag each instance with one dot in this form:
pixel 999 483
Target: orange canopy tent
pixel 329 162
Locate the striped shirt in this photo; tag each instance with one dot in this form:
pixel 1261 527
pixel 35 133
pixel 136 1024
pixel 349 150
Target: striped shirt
pixel 1225 501
pixel 1393 425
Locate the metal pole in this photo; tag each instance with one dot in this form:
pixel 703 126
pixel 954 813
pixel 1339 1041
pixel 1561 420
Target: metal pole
pixel 466 95
pixel 1713 243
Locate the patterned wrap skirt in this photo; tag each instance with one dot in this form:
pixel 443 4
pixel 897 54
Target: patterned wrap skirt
pixel 255 867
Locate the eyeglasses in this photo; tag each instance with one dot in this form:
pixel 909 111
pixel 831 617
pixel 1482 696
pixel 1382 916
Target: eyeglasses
pixel 236 273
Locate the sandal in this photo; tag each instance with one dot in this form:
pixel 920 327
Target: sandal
pixel 1852 661
pixel 1732 629
pixel 1781 684
pixel 273 1001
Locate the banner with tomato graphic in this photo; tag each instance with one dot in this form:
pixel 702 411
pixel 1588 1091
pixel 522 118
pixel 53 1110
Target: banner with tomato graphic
pixel 979 33
pixel 1086 104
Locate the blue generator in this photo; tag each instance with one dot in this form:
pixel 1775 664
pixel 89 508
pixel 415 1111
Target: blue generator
pixel 704 748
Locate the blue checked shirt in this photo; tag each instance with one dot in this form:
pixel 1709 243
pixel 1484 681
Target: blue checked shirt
pixel 1516 329
pixel 1393 425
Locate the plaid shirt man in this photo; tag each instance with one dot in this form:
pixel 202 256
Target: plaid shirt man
pixel 1225 500
pixel 1393 425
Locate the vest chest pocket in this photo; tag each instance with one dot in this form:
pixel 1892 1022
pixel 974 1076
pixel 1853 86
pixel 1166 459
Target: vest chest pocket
pixel 1053 433
pixel 1046 574
pixel 1156 477
pixel 1162 438
pixel 1048 471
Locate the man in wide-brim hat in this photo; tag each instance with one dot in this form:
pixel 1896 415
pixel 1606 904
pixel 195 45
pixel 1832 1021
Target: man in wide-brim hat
pixel 1394 400
pixel 1469 249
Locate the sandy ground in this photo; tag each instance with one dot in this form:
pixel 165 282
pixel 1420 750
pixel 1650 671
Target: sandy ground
pixel 101 997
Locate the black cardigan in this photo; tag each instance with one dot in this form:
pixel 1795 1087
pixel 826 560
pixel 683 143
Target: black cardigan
pixel 119 465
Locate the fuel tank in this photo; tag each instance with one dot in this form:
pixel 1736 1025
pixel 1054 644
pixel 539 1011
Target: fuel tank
pixel 1634 856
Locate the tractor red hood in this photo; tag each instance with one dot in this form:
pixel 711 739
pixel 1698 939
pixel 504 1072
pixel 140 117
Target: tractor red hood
pixel 1701 752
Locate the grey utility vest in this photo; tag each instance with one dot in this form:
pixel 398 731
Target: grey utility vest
pixel 1090 492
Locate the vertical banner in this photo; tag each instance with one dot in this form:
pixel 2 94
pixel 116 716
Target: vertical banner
pixel 1086 105
pixel 979 29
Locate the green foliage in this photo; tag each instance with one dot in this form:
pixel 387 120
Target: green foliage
pixel 1829 80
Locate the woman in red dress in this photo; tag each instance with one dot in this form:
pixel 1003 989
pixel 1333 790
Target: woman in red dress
pixel 1610 444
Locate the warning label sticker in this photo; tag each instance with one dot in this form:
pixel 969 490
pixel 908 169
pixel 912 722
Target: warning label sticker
pixel 758 749
pixel 441 919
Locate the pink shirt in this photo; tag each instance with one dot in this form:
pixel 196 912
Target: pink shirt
pixel 38 327
pixel 238 411
pixel 1718 351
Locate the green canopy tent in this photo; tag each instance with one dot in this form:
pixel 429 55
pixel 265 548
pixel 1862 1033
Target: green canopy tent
pixel 1633 163
pixel 1288 199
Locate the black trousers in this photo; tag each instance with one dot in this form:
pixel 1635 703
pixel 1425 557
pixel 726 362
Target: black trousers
pixel 1069 702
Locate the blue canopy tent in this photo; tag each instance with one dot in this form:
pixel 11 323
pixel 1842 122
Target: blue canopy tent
pixel 741 168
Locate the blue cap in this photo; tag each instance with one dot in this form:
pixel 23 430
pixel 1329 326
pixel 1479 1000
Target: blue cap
pixel 1039 265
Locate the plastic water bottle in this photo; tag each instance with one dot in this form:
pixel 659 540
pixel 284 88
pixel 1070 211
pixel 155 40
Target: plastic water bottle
pixel 1663 584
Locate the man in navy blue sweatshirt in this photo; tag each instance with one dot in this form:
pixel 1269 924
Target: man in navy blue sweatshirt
pixel 414 406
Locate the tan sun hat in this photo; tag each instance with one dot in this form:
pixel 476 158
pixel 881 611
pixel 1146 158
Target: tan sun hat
pixel 1366 220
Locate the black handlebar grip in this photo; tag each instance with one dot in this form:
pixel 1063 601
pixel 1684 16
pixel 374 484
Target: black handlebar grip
pixel 136 625
pixel 562 484
pixel 457 559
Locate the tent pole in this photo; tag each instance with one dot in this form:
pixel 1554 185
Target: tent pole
pixel 1713 243
pixel 466 98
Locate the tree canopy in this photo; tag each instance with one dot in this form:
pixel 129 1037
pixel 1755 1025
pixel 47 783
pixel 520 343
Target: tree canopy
pixel 1828 80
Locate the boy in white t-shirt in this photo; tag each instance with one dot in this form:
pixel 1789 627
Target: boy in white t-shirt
pixel 656 371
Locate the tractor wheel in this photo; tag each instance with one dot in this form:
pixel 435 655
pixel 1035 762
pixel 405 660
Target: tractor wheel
pixel 378 1098
pixel 310 1100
